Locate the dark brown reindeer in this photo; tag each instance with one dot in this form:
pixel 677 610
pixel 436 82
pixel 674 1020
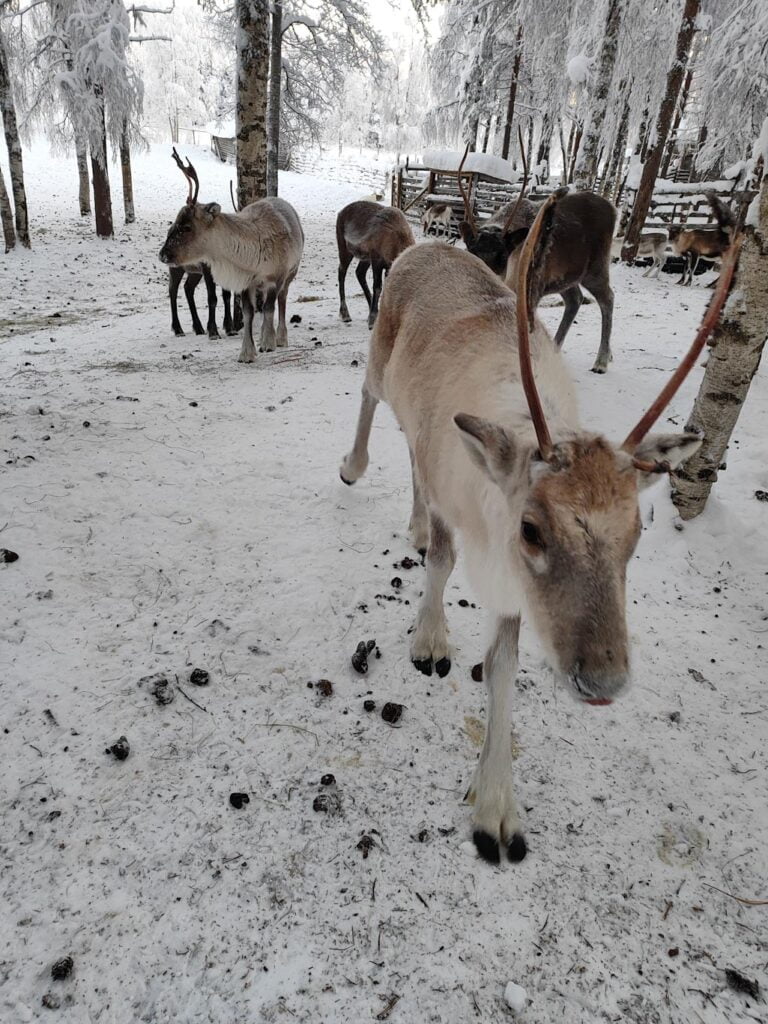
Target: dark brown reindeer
pixel 194 274
pixel 706 242
pixel 578 254
pixel 375 236
pixel 255 252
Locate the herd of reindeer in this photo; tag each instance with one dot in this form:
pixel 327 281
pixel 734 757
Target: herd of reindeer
pixel 547 511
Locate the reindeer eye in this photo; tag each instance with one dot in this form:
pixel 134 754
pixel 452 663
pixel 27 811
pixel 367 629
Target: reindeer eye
pixel 530 534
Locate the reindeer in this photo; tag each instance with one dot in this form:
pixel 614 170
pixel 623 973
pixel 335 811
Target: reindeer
pixel 255 252
pixel 194 275
pixel 375 236
pixel 438 216
pixel 548 512
pixel 708 242
pixel 652 246
pixel 579 253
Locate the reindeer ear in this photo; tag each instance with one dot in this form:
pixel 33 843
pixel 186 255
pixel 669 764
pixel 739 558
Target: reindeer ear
pixel 514 239
pixel 468 236
pixel 667 450
pixel 211 210
pixel 492 448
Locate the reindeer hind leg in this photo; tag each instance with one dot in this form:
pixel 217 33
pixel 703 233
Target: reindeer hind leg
pixel 429 643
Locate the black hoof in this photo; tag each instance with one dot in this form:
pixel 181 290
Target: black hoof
pixel 214 336
pixel 201 331
pixel 443 667
pixel 345 481
pixel 487 846
pixel 423 665
pixel 422 553
pixel 516 848
pixel 599 369
pixel 179 333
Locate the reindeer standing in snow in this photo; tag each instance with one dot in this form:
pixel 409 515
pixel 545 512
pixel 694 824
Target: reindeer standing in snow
pixel 548 512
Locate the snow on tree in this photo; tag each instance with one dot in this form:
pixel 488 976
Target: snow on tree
pixel 587 163
pixel 15 160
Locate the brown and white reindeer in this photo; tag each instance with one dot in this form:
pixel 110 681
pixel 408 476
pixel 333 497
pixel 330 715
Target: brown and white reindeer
pixel 578 253
pixel 547 511
pixel 706 242
pixel 255 252
pixel 375 236
pixel 437 220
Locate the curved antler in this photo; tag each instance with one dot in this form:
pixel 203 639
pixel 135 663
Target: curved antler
pixel 508 220
pixel 523 328
pixel 711 317
pixel 468 215
pixel 190 174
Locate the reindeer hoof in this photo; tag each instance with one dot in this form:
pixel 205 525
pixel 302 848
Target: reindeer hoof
pixel 199 330
pixel 598 368
pixel 517 848
pixel 424 665
pixel 345 481
pixel 214 336
pixel 487 846
pixel 345 318
pixel 443 667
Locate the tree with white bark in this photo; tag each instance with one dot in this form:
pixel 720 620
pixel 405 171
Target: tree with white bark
pixel 18 227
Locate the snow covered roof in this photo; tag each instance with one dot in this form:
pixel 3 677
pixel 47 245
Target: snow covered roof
pixel 476 163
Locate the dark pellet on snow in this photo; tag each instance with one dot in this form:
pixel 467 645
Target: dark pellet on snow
pixel 8 556
pixel 354 363
pixel 295 319
pixel 360 657
pixel 120 749
pixel 86 423
pixel 327 803
pixel 463 602
pixel 199 677
pixel 761 495
pixel 477 672
pixel 62 968
pixel 392 712
pixel 407 563
pixel 396 582
pixel 324 687
pixel 239 800
pixel 51 1001
pixel 160 688
pixel 328 780
pixel 365 845
pixel 369 705
pixel 193 404
pixel 318 344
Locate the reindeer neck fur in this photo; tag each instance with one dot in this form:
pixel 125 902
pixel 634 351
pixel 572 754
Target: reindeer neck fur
pixel 258 246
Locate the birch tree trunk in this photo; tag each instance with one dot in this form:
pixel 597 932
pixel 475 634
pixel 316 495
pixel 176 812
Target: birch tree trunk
pixel 6 216
pixel 81 152
pixel 663 124
pixel 251 101
pixel 102 199
pixel 15 162
pixel 275 82
pixel 613 170
pixel 512 94
pixel 737 346
pixel 125 167
pixel 586 168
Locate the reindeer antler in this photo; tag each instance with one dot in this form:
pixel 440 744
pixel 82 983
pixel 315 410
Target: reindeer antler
pixel 509 219
pixel 190 174
pixel 523 327
pixel 468 215
pixel 707 326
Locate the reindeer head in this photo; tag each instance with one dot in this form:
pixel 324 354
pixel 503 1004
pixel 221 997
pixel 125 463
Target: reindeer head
pixel 185 242
pixel 574 510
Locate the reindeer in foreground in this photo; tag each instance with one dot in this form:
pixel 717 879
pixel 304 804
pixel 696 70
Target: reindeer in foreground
pixel 255 252
pixel 578 254
pixel 375 235
pixel 440 217
pixel 548 512
pixel 708 242
pixel 194 275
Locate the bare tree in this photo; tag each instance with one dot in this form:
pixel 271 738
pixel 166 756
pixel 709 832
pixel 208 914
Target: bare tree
pixel 737 346
pixel 251 100
pixel 6 216
pixel 512 93
pixel 12 141
pixel 663 124
pixel 275 82
pixel 587 164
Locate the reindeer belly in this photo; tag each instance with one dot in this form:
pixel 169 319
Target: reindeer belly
pixel 231 277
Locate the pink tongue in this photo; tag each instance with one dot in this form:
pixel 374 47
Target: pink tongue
pixel 599 702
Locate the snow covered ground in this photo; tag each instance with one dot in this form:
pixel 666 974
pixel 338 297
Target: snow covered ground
pixel 173 509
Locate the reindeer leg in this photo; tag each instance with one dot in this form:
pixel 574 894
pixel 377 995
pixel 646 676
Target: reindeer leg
pixel 237 313
pixel 344 260
pixel 356 462
pixel 495 818
pixel 429 643
pixel 210 287
pixel 175 275
pixel 418 527
pixel 572 299
pixel 268 339
pixel 378 270
pixel 282 328
pixel 603 294
pixel 247 352
pixel 193 280
pixel 360 273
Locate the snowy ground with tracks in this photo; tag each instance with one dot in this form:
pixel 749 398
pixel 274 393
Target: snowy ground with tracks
pixel 173 509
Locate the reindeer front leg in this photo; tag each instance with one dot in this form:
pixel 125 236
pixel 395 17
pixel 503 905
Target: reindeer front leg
pixel 429 643
pixel 268 338
pixel 247 351
pixel 496 820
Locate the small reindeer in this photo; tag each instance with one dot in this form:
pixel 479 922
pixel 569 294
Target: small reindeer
pixel 375 236
pixel 194 274
pixel 255 252
pixel 652 246
pixel 708 242
pixel 548 512
pixel 437 220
